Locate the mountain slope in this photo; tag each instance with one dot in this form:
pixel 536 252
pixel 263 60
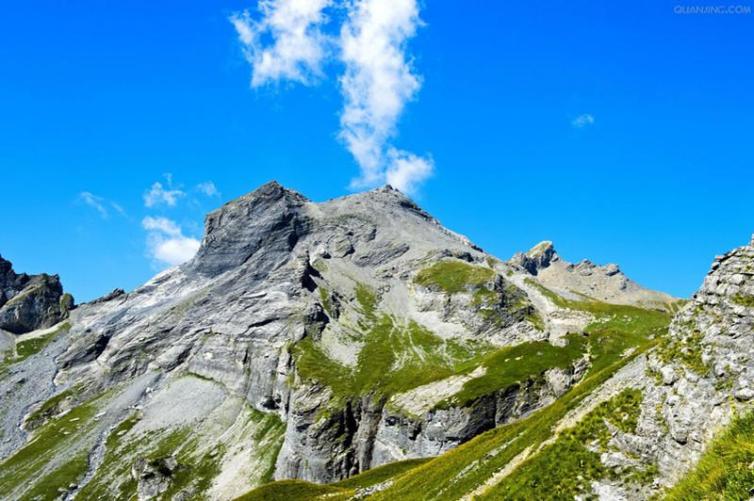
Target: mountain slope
pixel 637 427
pixel 312 341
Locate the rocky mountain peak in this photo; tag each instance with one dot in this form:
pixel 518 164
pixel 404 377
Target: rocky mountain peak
pixel 269 217
pixel 537 258
pixel 30 302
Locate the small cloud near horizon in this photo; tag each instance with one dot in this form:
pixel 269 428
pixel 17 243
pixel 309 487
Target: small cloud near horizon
pixel 583 120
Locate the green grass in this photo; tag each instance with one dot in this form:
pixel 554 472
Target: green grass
pixel 293 490
pixel 394 358
pixel 268 437
pixel 380 474
pixel 744 300
pixel 324 297
pixel 25 349
pixel 51 407
pixel 516 364
pixel 566 468
pixel 367 299
pixel 197 465
pixel 618 334
pixel 454 276
pixel 115 465
pixel 298 490
pixel 70 472
pixel 725 469
pixel 59 437
pixel 687 350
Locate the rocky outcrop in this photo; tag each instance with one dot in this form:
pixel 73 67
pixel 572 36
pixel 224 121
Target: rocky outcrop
pixel 585 279
pixel 30 302
pixel 698 377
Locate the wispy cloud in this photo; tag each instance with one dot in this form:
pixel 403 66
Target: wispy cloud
pixel 208 188
pixel 162 195
pixel 298 47
pixel 377 82
pixel 166 243
pixel 583 120
pixel 95 202
pixel 100 204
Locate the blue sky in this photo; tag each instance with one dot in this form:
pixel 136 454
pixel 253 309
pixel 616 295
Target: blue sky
pixel 107 101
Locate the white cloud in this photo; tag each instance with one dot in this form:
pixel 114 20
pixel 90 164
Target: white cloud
pixel 95 202
pixel 583 120
pixel 100 204
pixel 208 188
pixel 166 242
pixel 377 82
pixel 158 195
pixel 298 46
pixel 407 170
pixel 118 208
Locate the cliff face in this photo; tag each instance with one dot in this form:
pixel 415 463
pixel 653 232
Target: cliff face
pixel 30 302
pixel 305 340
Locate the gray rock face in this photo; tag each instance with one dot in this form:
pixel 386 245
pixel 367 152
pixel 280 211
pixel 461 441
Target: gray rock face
pixel 30 302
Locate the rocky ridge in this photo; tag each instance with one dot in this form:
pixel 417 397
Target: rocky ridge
pixel 30 302
pixel 585 279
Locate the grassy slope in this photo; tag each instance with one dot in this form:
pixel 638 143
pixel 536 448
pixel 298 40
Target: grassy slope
pixel 618 334
pixel 725 469
pixel 197 466
pixel 61 437
pixel 29 347
pixel 287 490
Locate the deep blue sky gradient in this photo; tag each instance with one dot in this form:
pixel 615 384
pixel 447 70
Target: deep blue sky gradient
pixel 104 98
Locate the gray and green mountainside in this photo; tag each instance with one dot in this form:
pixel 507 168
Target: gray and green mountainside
pixel 357 349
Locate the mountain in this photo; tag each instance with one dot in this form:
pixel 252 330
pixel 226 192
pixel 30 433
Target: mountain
pixel 30 302
pixel 356 348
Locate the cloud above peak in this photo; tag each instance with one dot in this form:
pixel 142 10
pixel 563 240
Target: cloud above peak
pixel 298 46
pixel 377 80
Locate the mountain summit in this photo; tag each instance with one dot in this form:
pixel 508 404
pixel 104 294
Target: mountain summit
pixel 318 342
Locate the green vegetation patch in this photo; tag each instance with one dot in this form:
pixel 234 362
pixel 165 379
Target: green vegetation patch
pixel 29 347
pixel 70 472
pixel 268 439
pixel 380 474
pixel 454 276
pixel 567 468
pixel 686 350
pixel 725 469
pixel 515 364
pixel 367 299
pixel 61 437
pixel 744 300
pixel 394 359
pixel 290 490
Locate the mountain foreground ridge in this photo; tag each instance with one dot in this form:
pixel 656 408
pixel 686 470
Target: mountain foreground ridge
pixel 355 348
